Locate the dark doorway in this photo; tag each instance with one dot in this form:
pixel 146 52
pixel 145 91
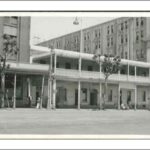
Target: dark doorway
pixel 61 96
pixel 93 97
pixel 76 97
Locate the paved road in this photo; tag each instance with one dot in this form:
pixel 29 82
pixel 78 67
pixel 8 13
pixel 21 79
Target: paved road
pixel 72 121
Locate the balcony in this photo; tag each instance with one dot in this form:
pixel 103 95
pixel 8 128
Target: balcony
pixel 90 75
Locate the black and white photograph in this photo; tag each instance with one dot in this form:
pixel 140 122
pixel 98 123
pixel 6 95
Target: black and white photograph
pixel 74 75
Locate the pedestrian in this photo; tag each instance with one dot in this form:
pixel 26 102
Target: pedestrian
pixel 38 102
pixel 7 99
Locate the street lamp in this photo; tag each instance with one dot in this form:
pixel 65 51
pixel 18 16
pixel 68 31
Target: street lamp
pixel 50 77
pixel 76 22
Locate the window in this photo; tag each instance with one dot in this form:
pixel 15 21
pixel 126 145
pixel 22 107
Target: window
pixel 84 49
pixel 99 45
pixel 57 65
pixel 129 97
pixel 67 65
pixel 95 33
pixel 137 37
pixel 90 68
pixel 142 21
pixel 121 26
pixel 137 22
pixel 144 72
pixel 84 94
pixel 88 37
pixel 142 34
pixel 10 30
pixel 96 46
pixel 142 54
pixel 144 96
pixel 85 37
pixel 124 69
pixel 108 42
pixel 126 38
pixel 131 70
pixel 112 29
pixel 110 96
pixel 126 24
pixel 57 45
pixel 111 41
pixel 99 33
pixel 108 30
pixel 61 94
pixel 14 20
pixel 42 62
pixel 122 54
pixel 137 54
pixel 88 50
pixel 121 39
pixel 126 55
pixel 11 20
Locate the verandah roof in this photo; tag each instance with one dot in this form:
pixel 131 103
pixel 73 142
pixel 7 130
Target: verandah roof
pixel 77 55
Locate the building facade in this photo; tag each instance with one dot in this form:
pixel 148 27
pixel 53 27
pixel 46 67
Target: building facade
pixel 68 77
pixel 80 84
pixel 17 28
pixel 124 36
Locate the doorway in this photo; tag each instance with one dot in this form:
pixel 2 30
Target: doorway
pixel 93 97
pixel 76 97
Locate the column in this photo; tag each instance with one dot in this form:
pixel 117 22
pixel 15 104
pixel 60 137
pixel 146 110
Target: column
pixel 128 71
pixel 42 91
pixel 29 87
pixel 55 62
pixel 100 87
pixel 100 95
pixel 79 94
pixel 119 74
pixel 49 100
pixel 135 72
pixel 14 97
pixel 135 98
pixel 54 93
pixel 118 96
pixel 79 83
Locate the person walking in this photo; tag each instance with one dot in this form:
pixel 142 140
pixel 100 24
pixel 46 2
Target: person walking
pixel 38 102
pixel 7 99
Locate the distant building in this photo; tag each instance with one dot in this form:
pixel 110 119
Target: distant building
pixel 18 28
pixel 124 36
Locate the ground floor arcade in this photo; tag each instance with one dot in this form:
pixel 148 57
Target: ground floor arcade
pixel 72 94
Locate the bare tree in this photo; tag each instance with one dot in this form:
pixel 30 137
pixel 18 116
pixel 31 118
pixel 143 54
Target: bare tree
pixel 9 50
pixel 109 66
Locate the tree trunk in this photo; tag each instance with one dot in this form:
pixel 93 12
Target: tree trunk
pixel 3 90
pixel 105 93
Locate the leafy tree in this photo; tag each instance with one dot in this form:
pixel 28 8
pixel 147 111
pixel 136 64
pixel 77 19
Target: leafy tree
pixel 109 65
pixel 9 50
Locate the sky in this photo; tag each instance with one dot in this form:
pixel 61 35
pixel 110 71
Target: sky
pixel 44 28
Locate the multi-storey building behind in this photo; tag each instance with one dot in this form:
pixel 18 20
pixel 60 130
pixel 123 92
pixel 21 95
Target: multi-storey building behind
pixel 126 37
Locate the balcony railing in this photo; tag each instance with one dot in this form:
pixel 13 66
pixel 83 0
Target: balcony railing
pixel 70 73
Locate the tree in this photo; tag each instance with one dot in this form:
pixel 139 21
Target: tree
pixel 9 50
pixel 109 66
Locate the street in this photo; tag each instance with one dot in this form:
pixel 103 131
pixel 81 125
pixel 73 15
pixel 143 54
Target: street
pixel 73 121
